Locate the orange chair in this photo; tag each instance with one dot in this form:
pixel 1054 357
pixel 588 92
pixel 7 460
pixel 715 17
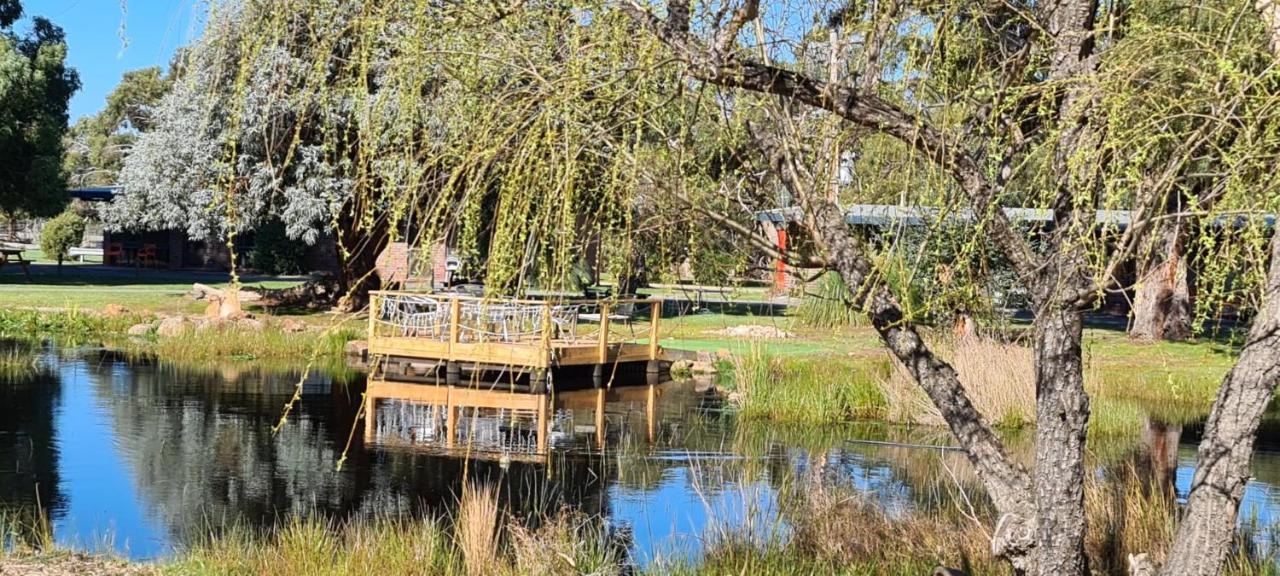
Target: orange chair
pixel 113 254
pixel 147 255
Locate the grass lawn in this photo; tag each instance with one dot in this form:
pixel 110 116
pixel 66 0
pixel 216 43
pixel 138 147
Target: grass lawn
pixel 92 287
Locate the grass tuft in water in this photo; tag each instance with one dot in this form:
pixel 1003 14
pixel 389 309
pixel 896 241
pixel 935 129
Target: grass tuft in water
pixel 800 389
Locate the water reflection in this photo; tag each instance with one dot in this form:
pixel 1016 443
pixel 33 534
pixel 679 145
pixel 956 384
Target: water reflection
pixel 140 457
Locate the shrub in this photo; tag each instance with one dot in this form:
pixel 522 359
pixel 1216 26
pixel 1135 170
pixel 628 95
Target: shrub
pixel 61 234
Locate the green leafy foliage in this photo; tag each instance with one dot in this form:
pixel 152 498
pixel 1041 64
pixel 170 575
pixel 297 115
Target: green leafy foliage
pixel 35 88
pixel 275 253
pixel 61 234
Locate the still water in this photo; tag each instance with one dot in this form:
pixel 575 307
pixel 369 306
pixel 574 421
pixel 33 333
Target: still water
pixel 139 458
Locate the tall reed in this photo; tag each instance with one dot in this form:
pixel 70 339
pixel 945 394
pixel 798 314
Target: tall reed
pixel 477 528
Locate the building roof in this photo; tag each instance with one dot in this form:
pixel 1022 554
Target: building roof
pixel 888 214
pixel 94 193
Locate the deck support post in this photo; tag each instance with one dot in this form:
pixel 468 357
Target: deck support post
pixel 540 381
pixel 452 373
pixel 370 417
pixel 597 376
pixel 600 422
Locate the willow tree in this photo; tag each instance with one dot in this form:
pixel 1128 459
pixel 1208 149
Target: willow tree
pixel 1016 104
pixel 509 133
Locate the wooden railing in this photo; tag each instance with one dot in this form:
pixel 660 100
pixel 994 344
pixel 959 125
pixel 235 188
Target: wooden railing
pixel 459 319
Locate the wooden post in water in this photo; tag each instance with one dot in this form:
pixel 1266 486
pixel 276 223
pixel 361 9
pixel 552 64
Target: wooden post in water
pixel 452 371
pixel 370 417
pixel 600 418
pixel 651 412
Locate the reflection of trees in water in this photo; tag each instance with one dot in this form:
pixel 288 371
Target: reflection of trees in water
pixel 203 455
pixel 201 449
pixel 28 453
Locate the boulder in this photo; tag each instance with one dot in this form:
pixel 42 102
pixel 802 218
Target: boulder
pixel 140 329
pixel 249 323
pixel 172 326
pixel 292 325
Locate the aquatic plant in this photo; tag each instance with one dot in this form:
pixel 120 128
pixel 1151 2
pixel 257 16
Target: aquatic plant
pixel 806 389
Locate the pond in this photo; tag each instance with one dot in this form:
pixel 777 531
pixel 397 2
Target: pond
pixel 139 457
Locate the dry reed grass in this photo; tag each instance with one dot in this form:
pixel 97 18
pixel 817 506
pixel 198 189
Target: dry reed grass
pixel 998 377
pixel 477 528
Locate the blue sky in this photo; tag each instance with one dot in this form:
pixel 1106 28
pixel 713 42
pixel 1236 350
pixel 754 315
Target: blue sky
pixel 152 31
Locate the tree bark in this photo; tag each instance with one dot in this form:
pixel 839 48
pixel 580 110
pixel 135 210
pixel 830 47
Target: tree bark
pixel 1062 418
pixel 1162 303
pixel 358 250
pixel 1006 481
pixel 1226 451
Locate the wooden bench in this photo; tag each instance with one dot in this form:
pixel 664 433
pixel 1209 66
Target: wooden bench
pixel 10 255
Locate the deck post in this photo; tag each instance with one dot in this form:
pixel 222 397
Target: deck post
pixel 655 317
pixel 373 315
pixel 450 421
pixel 600 422
pixel 651 412
pixel 452 373
pixel 602 347
pixel 455 318
pixel 370 417
pixel 542 424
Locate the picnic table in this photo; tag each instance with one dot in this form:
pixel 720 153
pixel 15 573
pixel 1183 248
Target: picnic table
pixel 11 255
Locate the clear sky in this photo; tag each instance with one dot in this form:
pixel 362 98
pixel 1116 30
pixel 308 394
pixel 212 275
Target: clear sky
pixel 102 51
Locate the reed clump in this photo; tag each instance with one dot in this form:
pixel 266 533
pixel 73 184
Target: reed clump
pixel 767 386
pixel 230 341
pixel 998 377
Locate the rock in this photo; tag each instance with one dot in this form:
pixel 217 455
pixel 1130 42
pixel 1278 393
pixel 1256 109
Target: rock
pixel 172 326
pixel 704 356
pixel 357 348
pixel 139 329
pixel 703 368
pixel 114 311
pixel 248 323
pixel 291 325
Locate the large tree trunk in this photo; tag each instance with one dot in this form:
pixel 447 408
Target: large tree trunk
pixel 1162 304
pixel 1226 451
pixel 358 250
pixel 1062 417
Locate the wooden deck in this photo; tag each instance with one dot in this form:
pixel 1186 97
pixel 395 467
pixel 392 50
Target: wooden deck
pixel 415 335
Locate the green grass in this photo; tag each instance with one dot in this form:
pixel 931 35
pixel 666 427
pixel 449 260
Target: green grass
pixel 144 290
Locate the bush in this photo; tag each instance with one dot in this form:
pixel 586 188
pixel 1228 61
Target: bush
pixel 61 234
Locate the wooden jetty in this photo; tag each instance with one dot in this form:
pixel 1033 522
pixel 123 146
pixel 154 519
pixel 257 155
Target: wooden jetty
pixel 414 336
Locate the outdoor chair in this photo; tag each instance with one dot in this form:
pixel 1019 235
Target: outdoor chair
pixel 146 255
pixel 620 313
pixel 113 254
